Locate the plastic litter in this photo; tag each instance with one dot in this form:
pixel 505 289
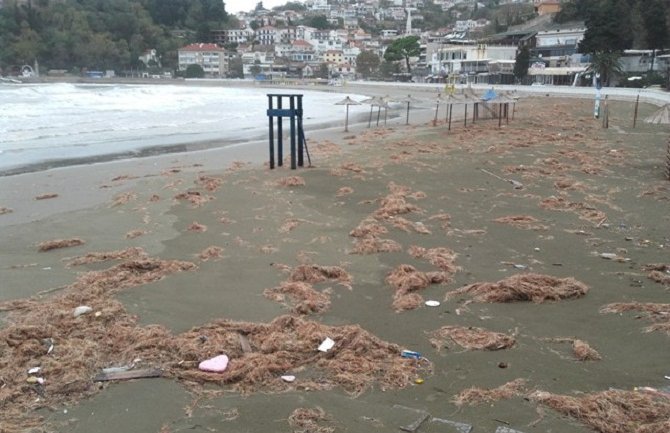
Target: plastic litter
pixel 410 354
pixel 217 364
pixel 81 310
pixel 288 378
pixel 326 345
pixel 34 370
pixel 432 303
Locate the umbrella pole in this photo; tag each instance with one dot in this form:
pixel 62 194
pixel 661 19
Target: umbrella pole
pixel 500 114
pixel 346 120
pixel 475 110
pixel 637 102
pixel 407 121
pixel 507 113
pixel 465 118
pixel 386 112
pixel 513 110
pixel 370 119
pixel 451 106
pixel 437 108
pixel 379 113
pixel 667 162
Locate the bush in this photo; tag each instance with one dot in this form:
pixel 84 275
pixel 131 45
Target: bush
pixel 194 71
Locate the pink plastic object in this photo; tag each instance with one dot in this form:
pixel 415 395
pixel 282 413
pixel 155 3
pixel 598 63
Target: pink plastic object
pixel 217 364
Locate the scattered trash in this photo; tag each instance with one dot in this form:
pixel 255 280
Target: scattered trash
pixel 520 266
pixel 33 379
pixel 418 381
pixel 432 303
pixel 609 256
pixel 410 354
pixel 502 429
pixel 117 369
pixel 413 427
pixel 473 396
pixel 471 338
pixel 288 378
pixel 34 370
pixel 459 426
pixel 217 364
pixel 127 375
pixel 326 345
pixel 515 184
pixel 81 310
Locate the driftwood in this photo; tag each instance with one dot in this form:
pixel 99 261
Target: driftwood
pixel 145 373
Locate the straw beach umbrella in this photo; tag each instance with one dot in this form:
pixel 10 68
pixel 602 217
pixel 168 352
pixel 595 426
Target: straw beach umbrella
pixel 374 101
pixel 408 100
pixel 347 101
pixel 449 101
pixel 662 117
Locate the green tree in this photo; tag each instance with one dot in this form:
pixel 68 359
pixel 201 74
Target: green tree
pixel 403 49
pixel 194 71
pixel 606 64
pixel 608 27
pixel 387 69
pixel 367 63
pixel 236 68
pixel 255 69
pixel 323 71
pixel 319 22
pixel 522 63
pixel 654 15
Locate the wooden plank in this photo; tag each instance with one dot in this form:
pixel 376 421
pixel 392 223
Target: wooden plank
pixel 145 373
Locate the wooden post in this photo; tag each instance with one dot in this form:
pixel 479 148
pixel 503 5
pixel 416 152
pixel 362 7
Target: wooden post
pixel 301 143
pixel 280 135
pixel 465 118
pixel 451 106
pixel 637 103
pixel 271 131
pixel 293 144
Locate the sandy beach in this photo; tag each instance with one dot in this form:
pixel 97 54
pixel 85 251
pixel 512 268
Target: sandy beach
pixel 544 243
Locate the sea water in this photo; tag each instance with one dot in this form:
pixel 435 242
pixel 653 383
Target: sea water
pixel 68 123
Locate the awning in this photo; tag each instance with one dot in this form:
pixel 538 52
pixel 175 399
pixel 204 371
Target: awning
pixel 556 71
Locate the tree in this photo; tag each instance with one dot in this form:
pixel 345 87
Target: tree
pixel 657 35
pixel 403 48
pixel 319 21
pixel 522 63
pixel 255 69
pixel 236 68
pixel 387 69
pixel 608 27
pixel 323 71
pixel 607 65
pixel 194 71
pixel 367 63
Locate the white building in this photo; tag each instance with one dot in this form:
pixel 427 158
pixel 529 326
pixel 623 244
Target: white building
pixel 210 57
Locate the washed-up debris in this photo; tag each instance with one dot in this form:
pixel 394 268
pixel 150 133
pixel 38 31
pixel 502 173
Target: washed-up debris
pixel 46 196
pixel 471 338
pixel 516 184
pixel 524 287
pixel 5 210
pixel 291 181
pixel 288 378
pixel 96 257
pixel 458 426
pixel 326 345
pixel 218 364
pixel 414 426
pixel 474 396
pixel 59 243
pixel 657 313
pixel 81 310
pixel 613 411
pixel 147 373
pixel 302 296
pixel 304 420
pixel 432 303
pixel 406 280
pixel 502 429
pixel 410 354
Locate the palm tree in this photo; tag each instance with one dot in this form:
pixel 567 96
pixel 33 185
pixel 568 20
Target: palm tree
pixel 606 64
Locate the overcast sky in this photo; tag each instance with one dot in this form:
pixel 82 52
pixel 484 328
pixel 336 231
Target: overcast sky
pixel 234 6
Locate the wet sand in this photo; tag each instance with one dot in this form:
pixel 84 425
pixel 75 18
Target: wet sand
pixel 588 190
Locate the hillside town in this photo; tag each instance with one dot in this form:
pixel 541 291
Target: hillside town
pixel 265 44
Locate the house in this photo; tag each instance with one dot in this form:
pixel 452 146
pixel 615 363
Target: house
pixel 266 35
pixel 545 7
pixel 210 57
pixel 232 36
pixel 557 44
pixel 150 58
